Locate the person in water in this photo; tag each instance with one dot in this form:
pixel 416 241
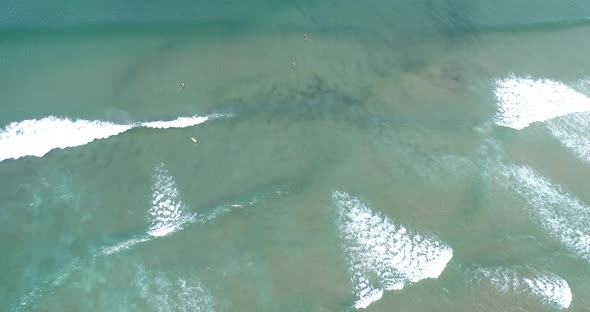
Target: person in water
pixel 305 37
pixel 182 86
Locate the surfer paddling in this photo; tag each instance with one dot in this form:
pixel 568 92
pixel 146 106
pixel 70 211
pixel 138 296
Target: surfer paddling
pixel 194 139
pixel 182 86
pixel 305 37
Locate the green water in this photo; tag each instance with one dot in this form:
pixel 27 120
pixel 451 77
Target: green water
pixel 391 102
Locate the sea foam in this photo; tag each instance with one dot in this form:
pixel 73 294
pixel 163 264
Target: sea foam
pixel 181 122
pixel 561 214
pixel 573 131
pixel 383 256
pixel 548 288
pixel 167 213
pixel 37 137
pixel 522 101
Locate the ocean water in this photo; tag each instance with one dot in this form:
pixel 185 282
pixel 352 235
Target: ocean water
pixel 376 155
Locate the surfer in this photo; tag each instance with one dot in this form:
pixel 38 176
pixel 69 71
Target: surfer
pixel 194 139
pixel 305 37
pixel 181 86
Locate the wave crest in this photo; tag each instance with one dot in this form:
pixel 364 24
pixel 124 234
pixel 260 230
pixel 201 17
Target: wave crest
pixel 381 255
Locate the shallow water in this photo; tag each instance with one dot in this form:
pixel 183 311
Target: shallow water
pixel 409 155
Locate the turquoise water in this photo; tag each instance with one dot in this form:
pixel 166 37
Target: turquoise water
pixel 407 155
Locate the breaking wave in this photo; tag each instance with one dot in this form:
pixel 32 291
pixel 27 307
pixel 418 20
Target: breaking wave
pixel 168 213
pixel 522 101
pixel 573 131
pixel 549 288
pixel 561 214
pixel 37 137
pixel 381 255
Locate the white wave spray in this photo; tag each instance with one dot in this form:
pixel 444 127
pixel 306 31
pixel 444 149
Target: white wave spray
pixel 382 256
pixel 522 101
pixel 37 137
pixel 168 213
pixel 549 288
pixel 573 131
pixel 181 122
pixel 560 213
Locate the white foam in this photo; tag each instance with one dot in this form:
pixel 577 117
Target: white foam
pixel 522 101
pixel 168 213
pixel 552 289
pixel 549 288
pixel 560 213
pixel 36 137
pixel 382 256
pixel 574 133
pixel 181 122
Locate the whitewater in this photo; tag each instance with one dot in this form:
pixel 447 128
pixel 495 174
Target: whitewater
pixel 37 137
